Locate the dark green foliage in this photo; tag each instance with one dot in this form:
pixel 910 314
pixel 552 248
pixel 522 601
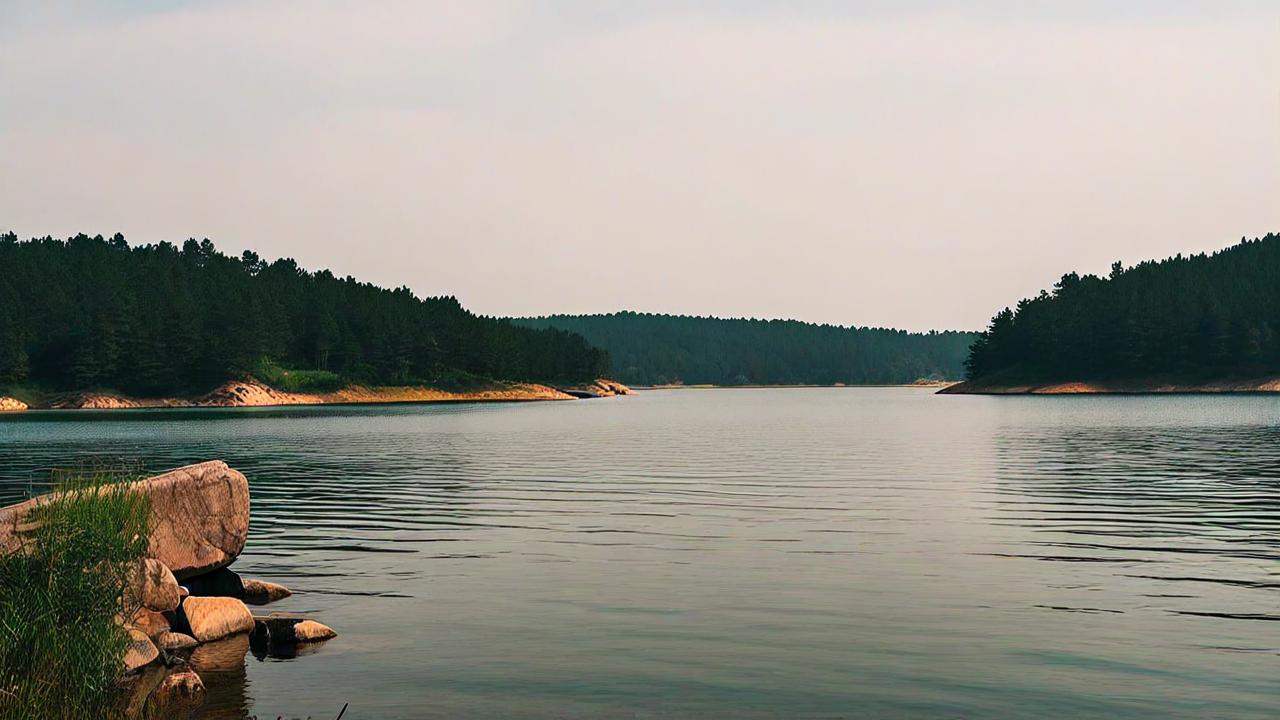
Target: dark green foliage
pixel 1198 318
pixel 60 645
pixel 649 349
pixel 91 312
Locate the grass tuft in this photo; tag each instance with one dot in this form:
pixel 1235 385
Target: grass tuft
pixel 60 642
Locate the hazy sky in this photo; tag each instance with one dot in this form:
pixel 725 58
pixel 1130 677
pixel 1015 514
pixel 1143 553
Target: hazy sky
pixel 905 164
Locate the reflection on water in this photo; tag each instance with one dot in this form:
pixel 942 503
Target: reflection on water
pixel 753 553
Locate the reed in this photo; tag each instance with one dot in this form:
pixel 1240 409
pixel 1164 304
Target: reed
pixel 61 642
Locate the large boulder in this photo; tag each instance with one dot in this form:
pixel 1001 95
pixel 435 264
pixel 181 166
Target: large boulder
pixel 199 518
pixel 150 622
pixel 312 631
pixel 211 618
pixel 175 641
pixel 8 404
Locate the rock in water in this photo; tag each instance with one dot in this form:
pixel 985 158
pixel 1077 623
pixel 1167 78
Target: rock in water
pixel 261 592
pixel 175 641
pixel 199 518
pixel 219 583
pixel 8 404
pixel 151 585
pixel 312 631
pixel 141 651
pixel 210 618
pixel 180 691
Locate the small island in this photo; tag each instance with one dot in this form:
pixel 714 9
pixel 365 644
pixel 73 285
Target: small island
pixel 1206 323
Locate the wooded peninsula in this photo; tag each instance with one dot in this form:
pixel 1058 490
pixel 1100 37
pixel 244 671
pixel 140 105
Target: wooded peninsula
pixel 1200 323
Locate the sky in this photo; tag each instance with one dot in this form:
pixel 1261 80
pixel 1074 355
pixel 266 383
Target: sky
pixel 899 164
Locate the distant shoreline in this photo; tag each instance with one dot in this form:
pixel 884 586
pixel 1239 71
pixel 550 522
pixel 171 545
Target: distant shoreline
pixel 708 386
pixel 253 393
pixel 1118 387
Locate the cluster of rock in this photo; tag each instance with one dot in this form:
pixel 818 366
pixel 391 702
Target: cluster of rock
pixel 182 596
pixel 598 388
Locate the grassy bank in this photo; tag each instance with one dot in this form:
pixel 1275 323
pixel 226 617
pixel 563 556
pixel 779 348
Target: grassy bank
pixel 60 642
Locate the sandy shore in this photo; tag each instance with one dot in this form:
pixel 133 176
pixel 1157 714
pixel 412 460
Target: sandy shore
pixel 252 393
pixel 1130 387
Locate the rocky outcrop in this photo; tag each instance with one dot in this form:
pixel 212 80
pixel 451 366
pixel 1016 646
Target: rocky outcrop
pixel 598 388
pixel 92 401
pixel 8 404
pixel 213 618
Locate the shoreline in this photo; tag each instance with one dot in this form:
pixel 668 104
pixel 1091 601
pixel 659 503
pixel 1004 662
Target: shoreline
pixel 253 393
pixel 1269 385
pixel 938 384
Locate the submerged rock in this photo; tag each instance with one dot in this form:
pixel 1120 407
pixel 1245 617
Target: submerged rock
pixel 261 592
pixel 222 656
pixel 312 631
pixel 211 618
pixel 178 692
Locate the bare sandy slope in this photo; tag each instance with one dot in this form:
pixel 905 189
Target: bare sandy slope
pixel 252 393
pixel 1134 387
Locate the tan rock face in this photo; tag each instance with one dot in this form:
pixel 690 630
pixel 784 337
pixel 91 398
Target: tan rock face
pixel 152 586
pixel 150 622
pixel 8 404
pixel 212 618
pixel 199 517
pixel 175 641
pixel 141 650
pixel 312 631
pixel 261 592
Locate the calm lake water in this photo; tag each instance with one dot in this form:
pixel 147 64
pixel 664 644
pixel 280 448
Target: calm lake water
pixel 800 553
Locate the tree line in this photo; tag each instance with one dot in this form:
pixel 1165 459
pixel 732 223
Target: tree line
pixel 654 349
pixel 94 312
pixel 1199 317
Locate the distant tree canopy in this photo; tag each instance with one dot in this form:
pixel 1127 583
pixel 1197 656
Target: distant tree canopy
pixel 1200 317
pixel 649 349
pixel 90 312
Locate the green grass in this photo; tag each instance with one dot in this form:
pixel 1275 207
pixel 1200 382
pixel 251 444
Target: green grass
pixel 60 644
pixel 299 381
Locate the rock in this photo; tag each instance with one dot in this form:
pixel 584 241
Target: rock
pixel 312 631
pixel 219 583
pixel 8 404
pixel 150 622
pixel 151 585
pixel 222 656
pixel 211 618
pixel 199 518
pixel 261 592
pixel 141 651
pixel 175 641
pixel 275 628
pixel 177 692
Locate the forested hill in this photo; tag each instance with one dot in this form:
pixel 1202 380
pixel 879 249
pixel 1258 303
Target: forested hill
pixel 1189 319
pixel 647 349
pixel 90 312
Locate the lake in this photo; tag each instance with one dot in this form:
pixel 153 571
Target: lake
pixel 755 553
